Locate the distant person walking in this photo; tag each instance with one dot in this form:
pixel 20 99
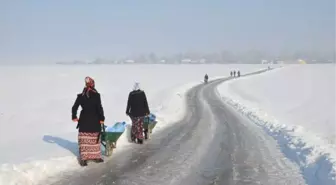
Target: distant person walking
pixel 234 73
pixel 89 122
pixel 206 77
pixel 231 73
pixel 137 108
pixel 238 73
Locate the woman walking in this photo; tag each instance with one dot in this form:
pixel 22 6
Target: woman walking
pixel 89 122
pixel 137 108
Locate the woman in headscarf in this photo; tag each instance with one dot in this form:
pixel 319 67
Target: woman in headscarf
pixel 137 108
pixel 89 122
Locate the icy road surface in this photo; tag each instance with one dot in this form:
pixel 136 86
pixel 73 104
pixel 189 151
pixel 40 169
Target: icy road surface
pixel 212 145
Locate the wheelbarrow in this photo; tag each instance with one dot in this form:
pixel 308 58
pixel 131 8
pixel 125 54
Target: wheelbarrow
pixel 149 124
pixel 110 136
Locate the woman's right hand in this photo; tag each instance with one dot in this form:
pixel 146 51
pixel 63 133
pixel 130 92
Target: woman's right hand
pixel 75 120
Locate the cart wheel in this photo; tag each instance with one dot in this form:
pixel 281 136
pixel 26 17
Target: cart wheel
pixel 114 144
pixel 149 133
pixel 108 149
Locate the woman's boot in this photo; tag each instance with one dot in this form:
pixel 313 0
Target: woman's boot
pixel 99 160
pixel 83 163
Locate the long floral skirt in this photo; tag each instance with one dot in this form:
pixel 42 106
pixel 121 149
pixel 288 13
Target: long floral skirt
pixel 137 127
pixel 89 145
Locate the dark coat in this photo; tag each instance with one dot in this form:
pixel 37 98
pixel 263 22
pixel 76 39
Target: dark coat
pixel 91 114
pixel 137 105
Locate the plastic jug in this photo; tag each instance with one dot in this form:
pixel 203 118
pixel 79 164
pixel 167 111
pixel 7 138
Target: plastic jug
pixel 152 117
pixel 118 127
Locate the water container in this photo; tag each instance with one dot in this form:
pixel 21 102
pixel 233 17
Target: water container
pixel 120 126
pixel 109 129
pixel 152 117
pixel 117 127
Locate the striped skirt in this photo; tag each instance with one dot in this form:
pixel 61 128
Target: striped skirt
pixel 89 148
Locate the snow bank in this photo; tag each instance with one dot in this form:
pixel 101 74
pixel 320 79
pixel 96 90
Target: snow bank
pixel 38 140
pixel 296 105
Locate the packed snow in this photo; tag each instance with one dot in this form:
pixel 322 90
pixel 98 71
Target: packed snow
pixel 296 105
pixel 38 140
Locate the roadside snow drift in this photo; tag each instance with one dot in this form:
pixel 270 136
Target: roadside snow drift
pixel 38 140
pixel 296 105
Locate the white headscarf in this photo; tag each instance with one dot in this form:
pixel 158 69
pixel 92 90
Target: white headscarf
pixel 136 86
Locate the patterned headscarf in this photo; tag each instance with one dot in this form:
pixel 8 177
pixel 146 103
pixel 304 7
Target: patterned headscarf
pixel 89 82
pixel 89 86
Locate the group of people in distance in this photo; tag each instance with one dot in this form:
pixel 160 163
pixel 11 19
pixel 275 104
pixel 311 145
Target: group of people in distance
pixel 92 117
pixel 233 73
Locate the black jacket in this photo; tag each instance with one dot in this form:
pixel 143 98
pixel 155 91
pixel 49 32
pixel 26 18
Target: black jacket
pixel 91 114
pixel 137 105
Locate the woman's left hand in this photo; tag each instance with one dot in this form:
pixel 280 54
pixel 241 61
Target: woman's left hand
pixel 101 122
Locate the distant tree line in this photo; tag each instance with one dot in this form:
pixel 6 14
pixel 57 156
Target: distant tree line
pixel 223 57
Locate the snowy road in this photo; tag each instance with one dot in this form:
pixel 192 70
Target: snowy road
pixel 212 145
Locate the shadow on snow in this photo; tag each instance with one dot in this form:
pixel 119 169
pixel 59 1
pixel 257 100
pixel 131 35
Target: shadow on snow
pixel 66 144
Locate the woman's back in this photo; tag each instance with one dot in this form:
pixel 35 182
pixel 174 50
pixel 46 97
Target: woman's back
pixel 137 105
pixel 92 112
pixel 89 104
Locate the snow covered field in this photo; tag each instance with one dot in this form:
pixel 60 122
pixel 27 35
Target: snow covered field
pixel 37 137
pixel 296 105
